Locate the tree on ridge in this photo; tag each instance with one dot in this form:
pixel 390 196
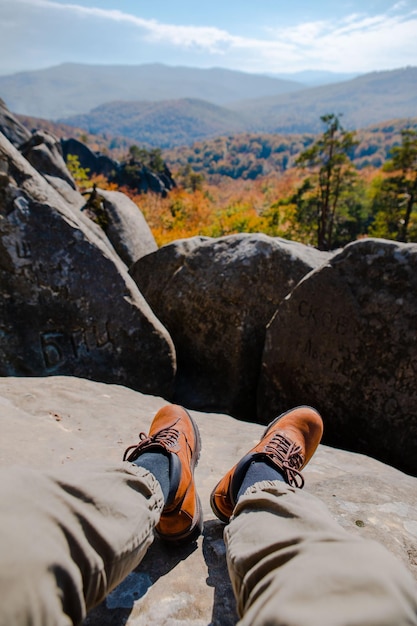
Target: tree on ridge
pixel 332 173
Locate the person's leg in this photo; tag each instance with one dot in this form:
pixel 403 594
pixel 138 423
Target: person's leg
pixel 290 563
pixel 70 535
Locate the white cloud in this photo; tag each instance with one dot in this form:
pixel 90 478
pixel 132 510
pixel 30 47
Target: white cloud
pixel 400 5
pixel 356 43
pixel 206 37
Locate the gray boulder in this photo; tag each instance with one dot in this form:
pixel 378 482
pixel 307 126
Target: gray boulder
pixel 72 197
pixel 215 300
pixel 125 226
pixel 11 128
pixel 154 271
pixel 345 341
pixel 44 152
pixel 133 174
pixel 68 305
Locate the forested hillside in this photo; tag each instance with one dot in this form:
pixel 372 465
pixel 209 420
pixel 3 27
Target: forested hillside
pixel 162 124
pixel 242 155
pixel 253 155
pixel 271 183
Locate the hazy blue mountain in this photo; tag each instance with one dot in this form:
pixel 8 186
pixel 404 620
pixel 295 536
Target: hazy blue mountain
pixel 365 100
pixel 368 99
pixel 163 124
pixel 73 88
pixel 315 77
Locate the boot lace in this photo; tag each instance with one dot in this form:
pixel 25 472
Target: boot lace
pixel 288 456
pixel 166 437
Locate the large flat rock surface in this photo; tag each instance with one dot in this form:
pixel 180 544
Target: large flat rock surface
pixel 47 422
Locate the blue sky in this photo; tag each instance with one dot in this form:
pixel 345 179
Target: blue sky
pixel 264 36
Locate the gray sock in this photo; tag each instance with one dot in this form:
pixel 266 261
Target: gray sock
pixel 256 472
pixel 158 464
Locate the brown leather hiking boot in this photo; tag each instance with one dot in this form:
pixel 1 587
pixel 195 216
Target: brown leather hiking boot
pixel 287 444
pixel 174 432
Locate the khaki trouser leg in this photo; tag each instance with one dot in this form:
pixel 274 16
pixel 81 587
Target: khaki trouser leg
pixel 291 564
pixel 69 536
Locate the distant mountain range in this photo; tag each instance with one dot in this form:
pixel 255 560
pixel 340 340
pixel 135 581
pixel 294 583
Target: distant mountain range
pixel 166 106
pixel 314 78
pixel 73 88
pixel 368 99
pixel 162 124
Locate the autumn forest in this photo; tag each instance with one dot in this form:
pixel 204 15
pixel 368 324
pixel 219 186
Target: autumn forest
pixel 323 190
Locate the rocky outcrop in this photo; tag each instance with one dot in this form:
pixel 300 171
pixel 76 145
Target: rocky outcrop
pixel 60 420
pixel 123 223
pixel 96 163
pixel 216 299
pixel 141 178
pixel 132 174
pixel 68 305
pixel 11 128
pixel 345 341
pixel 44 152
